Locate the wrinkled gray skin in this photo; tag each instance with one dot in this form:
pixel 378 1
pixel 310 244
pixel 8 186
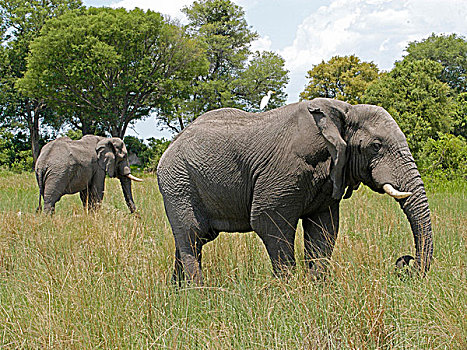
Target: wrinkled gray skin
pixel 65 166
pixel 234 171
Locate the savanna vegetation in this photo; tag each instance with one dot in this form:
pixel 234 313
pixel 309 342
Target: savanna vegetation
pixel 99 280
pixel 82 280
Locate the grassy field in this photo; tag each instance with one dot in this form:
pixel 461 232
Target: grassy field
pixel 78 280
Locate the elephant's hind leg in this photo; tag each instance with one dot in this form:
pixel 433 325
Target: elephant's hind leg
pixel 178 275
pixel 188 257
pixel 50 199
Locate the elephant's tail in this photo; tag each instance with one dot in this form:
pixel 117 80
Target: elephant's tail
pixel 40 182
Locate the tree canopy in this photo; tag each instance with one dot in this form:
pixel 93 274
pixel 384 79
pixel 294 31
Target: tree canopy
pixel 419 102
pixel 342 77
pixel 105 68
pixel 236 77
pixel 21 22
pixel 448 50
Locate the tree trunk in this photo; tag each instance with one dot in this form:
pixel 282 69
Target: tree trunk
pixel 180 120
pixel 33 114
pixel 86 127
pixel 36 149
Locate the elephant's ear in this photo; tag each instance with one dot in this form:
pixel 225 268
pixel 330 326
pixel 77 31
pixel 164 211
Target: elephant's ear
pixel 106 156
pixel 336 146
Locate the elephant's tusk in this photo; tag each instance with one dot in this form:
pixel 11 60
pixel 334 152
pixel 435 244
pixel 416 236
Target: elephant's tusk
pixel 134 178
pixel 395 193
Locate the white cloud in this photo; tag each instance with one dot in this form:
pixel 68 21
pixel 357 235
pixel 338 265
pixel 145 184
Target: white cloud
pixel 171 7
pixel 374 30
pixel 261 44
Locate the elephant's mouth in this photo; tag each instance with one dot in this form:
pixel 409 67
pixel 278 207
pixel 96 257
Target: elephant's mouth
pixel 126 172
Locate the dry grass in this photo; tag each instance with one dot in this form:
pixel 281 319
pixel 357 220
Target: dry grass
pixel 78 280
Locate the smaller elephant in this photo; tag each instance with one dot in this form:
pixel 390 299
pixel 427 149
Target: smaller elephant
pixel 66 166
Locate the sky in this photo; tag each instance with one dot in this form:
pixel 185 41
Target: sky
pixel 306 32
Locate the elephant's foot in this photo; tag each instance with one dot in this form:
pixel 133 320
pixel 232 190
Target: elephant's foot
pixel 192 270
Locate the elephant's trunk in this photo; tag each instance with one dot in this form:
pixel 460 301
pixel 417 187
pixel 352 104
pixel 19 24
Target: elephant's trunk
pixel 125 181
pixel 417 211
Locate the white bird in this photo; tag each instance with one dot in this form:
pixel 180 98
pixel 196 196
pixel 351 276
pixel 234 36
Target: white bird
pixel 265 100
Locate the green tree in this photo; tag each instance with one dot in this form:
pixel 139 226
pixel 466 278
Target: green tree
pixel 419 102
pixel 156 148
pixel 232 80
pixel 460 115
pixel 106 68
pixel 15 151
pixel 21 23
pixel 448 50
pixel 445 158
pixel 344 78
pixel 150 153
pixel 265 71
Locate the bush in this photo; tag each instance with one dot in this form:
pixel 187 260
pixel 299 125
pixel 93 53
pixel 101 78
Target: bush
pixel 74 134
pixel 150 153
pixel 445 158
pixel 15 152
pixel 157 147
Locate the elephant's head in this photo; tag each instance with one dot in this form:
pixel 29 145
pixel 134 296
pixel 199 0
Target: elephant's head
pixel 113 157
pixel 367 146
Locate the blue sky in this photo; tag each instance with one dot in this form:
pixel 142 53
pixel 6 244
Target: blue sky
pixel 305 32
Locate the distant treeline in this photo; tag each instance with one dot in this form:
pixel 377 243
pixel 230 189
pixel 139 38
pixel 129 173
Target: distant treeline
pixel 99 70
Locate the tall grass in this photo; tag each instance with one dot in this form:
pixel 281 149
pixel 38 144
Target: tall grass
pixel 99 280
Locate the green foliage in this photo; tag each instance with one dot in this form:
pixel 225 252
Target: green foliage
pixel 232 80
pixel 106 68
pixel 74 134
pixel 265 71
pixel 83 281
pixel 416 98
pixel 448 50
pixel 444 158
pixel 22 22
pixel 344 78
pixel 224 30
pixel 150 153
pixel 156 148
pixel 15 153
pixel 460 115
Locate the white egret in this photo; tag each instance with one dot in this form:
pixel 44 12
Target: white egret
pixel 265 100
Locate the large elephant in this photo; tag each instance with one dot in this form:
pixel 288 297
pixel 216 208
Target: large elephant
pixel 235 171
pixel 65 166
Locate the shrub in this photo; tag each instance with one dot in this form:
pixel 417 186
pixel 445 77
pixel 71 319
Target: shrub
pixel 157 147
pixel 445 158
pixel 150 153
pixel 15 152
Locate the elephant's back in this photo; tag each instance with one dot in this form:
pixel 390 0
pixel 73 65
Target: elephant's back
pixel 51 151
pixel 64 152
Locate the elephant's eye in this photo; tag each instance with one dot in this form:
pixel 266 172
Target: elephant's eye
pixel 375 146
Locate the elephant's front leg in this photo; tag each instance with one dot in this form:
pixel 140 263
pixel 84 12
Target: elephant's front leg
pixel 92 197
pixel 320 233
pixel 277 231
